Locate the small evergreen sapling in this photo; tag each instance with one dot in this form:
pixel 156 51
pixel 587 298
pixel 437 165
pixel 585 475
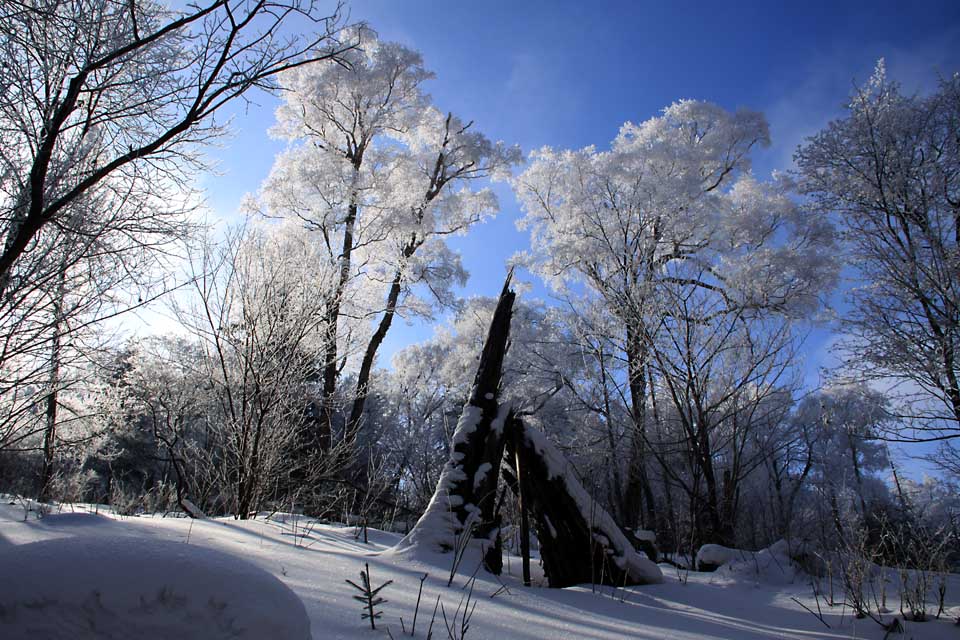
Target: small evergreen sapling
pixel 369 596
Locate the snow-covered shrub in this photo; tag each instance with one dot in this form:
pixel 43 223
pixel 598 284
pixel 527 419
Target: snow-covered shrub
pixel 922 568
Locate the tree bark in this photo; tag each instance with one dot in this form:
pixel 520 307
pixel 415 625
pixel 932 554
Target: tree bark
pixel 369 355
pixel 639 506
pixel 330 370
pixel 467 489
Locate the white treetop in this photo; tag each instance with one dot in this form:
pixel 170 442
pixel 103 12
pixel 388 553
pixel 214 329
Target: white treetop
pixel 673 203
pixel 384 177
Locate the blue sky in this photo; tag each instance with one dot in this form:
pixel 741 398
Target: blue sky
pixel 568 74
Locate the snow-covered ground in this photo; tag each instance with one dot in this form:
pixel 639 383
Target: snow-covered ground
pixel 180 571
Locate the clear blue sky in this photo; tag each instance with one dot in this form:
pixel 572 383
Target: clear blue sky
pixel 568 74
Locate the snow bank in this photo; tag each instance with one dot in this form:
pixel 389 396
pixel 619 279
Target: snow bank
pixel 129 587
pixel 773 565
pixel 712 556
pixel 698 606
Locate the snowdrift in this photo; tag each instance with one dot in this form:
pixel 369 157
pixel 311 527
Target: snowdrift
pixel 128 587
pixel 775 565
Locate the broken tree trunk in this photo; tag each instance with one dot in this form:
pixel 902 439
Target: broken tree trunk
pixel 579 541
pixel 464 501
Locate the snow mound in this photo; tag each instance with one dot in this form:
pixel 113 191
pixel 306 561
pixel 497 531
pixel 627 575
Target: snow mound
pixel 712 556
pixel 773 565
pixel 129 587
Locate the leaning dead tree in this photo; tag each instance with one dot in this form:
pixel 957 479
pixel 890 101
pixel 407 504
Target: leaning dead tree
pixel 579 541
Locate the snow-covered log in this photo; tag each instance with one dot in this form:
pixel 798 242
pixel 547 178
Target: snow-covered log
pixel 579 541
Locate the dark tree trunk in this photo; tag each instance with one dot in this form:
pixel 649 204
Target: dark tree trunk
pixel 467 488
pixel 330 370
pixel 50 428
pixel 639 507
pixel 487 446
pixel 579 542
pixel 369 355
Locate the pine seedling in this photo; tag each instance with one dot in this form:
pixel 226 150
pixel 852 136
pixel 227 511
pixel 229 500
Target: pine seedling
pixel 369 596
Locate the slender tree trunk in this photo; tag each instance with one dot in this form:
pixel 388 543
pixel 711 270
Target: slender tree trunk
pixel 354 422
pixel 728 511
pixel 615 478
pixel 369 356
pixel 855 461
pixel 50 428
pixel 330 370
pixel 712 503
pixel 639 505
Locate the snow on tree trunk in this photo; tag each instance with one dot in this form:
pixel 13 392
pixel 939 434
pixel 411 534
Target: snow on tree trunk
pixel 463 502
pixel 579 541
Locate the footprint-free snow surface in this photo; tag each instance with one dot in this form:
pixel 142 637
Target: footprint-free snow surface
pixel 79 575
pixel 102 586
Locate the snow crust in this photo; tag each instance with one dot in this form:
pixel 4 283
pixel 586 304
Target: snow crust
pixel 107 586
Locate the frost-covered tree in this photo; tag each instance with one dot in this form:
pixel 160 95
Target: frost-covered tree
pixel 167 403
pixel 105 106
pixel 846 455
pixel 257 313
pixel 114 97
pixel 789 455
pixel 890 171
pixel 382 178
pixel 721 388
pixel 669 210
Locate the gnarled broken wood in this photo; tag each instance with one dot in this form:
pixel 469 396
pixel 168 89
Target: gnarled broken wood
pixel 579 541
pixel 465 497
